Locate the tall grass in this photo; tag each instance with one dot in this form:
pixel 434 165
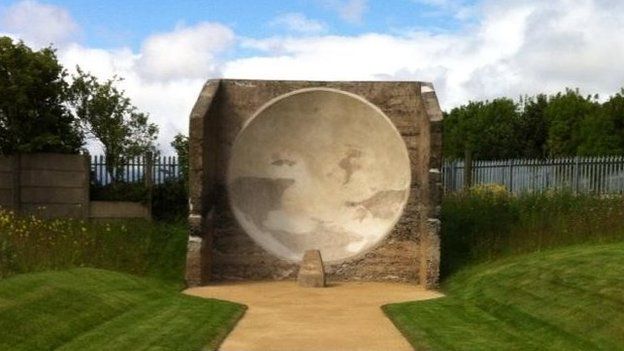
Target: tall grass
pixel 487 222
pixel 30 244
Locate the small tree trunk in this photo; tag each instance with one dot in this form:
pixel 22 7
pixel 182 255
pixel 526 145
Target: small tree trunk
pixel 112 166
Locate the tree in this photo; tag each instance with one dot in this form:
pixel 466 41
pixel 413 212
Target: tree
pixel 565 114
pixel 33 92
pixel 460 126
pixel 603 129
pixel 486 129
pixel 181 145
pixel 533 127
pixel 108 115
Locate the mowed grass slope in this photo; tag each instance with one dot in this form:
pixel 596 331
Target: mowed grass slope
pixel 93 309
pixel 566 299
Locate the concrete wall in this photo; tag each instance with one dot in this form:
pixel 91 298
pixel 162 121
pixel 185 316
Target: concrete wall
pixel 7 182
pixel 101 210
pixel 219 248
pixel 56 185
pixel 47 185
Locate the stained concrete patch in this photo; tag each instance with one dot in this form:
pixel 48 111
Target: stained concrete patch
pixel 343 316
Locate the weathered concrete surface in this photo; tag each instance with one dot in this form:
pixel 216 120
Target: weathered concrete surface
pixel 46 185
pixel 203 154
pixel 198 258
pixel 311 271
pixel 7 183
pixel 117 210
pixel 343 316
pixel 409 251
pixel 318 169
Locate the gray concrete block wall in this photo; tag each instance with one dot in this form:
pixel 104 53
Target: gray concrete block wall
pixel 46 185
pixel 54 185
pixel 7 183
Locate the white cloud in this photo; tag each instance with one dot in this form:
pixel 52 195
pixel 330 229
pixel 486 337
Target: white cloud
pixel 164 78
pixel 101 63
pixel 161 79
pixel 298 22
pixel 39 24
pixel 516 47
pixel 186 52
pixel 351 11
pixel 168 101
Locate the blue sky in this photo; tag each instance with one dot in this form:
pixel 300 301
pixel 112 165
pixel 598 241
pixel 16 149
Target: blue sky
pixel 109 24
pixel 469 49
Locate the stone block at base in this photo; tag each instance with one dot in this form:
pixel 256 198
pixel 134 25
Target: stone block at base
pixel 311 271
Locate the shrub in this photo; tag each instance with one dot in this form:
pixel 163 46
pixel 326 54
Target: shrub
pixel 119 191
pixel 169 199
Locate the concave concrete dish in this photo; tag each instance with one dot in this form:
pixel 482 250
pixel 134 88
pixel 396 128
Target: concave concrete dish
pixel 318 169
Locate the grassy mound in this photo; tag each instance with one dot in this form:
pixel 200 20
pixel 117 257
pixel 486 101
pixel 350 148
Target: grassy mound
pixel 566 299
pixel 92 309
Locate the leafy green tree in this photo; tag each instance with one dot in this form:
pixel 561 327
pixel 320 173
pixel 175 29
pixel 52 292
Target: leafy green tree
pixel 181 145
pixel 107 115
pixel 460 126
pixel 565 114
pixel 486 129
pixel 563 124
pixel 533 127
pixel 603 129
pixel 33 92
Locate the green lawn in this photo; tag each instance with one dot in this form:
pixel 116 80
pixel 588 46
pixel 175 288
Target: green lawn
pixel 565 299
pixel 93 309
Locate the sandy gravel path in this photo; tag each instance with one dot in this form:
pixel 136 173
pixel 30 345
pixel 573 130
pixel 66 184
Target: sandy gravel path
pixel 344 316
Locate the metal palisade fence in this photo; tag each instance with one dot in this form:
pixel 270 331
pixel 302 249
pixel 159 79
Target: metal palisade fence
pixel 595 175
pixel 135 169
